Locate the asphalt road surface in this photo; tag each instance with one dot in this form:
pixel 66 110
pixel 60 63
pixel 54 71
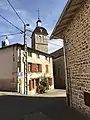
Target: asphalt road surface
pixel 50 106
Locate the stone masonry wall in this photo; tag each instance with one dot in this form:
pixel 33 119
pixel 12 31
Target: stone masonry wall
pixel 77 45
pixel 59 73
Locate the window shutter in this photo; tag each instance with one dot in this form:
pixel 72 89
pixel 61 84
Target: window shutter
pixel 40 68
pixel 31 67
pixel 30 84
pixel 34 67
pixel 46 68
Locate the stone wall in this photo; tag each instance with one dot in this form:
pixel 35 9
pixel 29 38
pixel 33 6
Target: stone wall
pixel 59 73
pixel 77 45
pixel 40 42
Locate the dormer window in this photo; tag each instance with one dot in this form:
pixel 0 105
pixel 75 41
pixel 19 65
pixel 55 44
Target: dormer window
pixel 46 57
pixel 38 56
pixel 29 53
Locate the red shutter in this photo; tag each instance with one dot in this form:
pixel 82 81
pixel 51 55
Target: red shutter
pixel 30 67
pixel 33 67
pixel 40 68
pixel 36 67
pixel 46 68
pixel 30 84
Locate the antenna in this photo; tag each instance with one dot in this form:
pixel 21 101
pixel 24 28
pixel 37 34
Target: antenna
pixel 38 13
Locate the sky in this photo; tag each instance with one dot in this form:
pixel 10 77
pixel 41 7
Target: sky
pixel 50 11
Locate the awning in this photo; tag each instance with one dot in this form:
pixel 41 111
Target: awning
pixel 65 18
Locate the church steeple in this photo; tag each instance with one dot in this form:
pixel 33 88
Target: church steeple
pixel 39 37
pixel 39 22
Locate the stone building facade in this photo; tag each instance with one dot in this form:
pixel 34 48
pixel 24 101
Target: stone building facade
pixel 74 27
pixel 58 69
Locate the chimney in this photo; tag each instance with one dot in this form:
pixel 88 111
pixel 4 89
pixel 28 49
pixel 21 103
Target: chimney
pixel 3 44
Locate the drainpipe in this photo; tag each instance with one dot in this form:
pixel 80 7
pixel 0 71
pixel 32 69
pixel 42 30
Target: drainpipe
pixel 66 80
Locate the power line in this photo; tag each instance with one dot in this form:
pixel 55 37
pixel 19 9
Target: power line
pixel 10 23
pixel 50 42
pixel 54 44
pixel 11 34
pixel 15 11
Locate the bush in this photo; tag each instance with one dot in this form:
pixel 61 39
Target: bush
pixel 43 85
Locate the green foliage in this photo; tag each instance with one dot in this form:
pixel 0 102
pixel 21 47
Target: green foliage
pixel 43 85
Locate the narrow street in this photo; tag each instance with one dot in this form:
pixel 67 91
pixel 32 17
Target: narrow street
pixel 50 106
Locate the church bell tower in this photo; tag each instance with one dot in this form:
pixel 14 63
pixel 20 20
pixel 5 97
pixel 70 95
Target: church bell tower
pixel 39 37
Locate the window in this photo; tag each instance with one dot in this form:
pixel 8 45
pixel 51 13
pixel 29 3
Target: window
pixel 87 98
pixel 38 56
pixel 40 37
pixel 39 68
pixel 46 68
pixel 30 54
pixel 43 38
pixel 45 57
pixel 30 84
pixel 29 67
pixel 49 59
pixel 33 83
pixel 33 67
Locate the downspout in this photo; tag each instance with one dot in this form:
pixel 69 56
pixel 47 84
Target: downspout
pixel 66 80
pixel 13 71
pixel 17 69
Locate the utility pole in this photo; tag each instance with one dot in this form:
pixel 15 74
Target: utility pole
pixel 25 61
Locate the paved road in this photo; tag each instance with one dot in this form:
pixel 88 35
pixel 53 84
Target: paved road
pixel 15 107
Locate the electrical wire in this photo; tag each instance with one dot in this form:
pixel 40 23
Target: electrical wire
pixel 11 34
pixel 49 42
pixel 54 44
pixel 10 23
pixel 15 11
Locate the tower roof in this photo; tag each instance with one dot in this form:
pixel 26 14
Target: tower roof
pixel 40 30
pixel 39 20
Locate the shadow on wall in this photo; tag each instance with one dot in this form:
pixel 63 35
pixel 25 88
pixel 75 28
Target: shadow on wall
pixel 17 107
